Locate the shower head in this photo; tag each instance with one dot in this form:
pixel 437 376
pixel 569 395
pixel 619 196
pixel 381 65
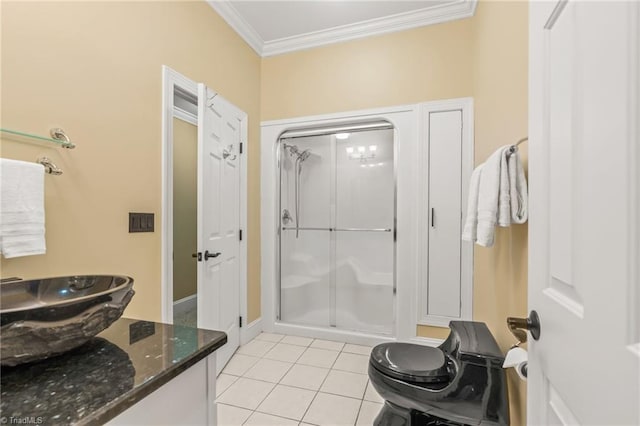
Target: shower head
pixel 304 155
pixel 293 149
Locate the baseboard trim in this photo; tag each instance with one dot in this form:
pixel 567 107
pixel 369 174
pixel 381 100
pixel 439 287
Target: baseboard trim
pixel 185 304
pixel 251 331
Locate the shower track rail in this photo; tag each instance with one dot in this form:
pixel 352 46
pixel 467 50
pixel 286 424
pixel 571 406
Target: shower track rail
pixel 293 228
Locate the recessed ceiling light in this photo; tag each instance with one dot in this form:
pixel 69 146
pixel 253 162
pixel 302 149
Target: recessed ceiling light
pixel 342 135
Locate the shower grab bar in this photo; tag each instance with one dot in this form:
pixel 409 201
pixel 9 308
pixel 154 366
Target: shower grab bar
pixel 293 228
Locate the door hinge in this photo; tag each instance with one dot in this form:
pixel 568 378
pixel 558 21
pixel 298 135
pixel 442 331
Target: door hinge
pixel 240 234
pixel 241 146
pixel 240 321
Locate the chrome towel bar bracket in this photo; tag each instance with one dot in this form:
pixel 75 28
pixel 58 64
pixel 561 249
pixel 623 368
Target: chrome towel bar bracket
pixel 49 166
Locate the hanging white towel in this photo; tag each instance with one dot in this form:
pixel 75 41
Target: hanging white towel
pixel 518 189
pixel 21 208
pixel 493 197
pixel 471 222
pixel 497 197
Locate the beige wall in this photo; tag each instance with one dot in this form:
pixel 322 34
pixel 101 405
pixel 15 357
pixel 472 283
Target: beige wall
pixel 94 69
pixel 411 66
pixel 185 208
pixel 500 71
pixel 484 57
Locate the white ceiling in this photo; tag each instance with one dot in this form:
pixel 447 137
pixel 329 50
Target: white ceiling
pixel 275 27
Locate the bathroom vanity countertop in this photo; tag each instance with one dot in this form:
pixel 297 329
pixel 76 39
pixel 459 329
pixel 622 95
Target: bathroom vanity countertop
pixel 97 381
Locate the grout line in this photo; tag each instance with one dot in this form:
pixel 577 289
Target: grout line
pixel 359 411
pixel 307 410
pixel 221 393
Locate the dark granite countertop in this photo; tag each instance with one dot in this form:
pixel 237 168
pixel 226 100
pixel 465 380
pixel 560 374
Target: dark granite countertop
pixel 97 381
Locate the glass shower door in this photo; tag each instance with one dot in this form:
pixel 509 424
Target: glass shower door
pixel 363 237
pixel 337 207
pixel 305 208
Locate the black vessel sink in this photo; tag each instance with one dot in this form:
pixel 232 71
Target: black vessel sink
pixel 44 317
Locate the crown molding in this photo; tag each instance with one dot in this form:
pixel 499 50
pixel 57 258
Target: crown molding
pixel 403 21
pixel 238 23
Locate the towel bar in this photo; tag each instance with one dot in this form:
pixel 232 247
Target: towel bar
pixel 49 166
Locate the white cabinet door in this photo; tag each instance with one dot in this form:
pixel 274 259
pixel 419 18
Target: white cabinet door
pixel 583 229
pixel 445 206
pixel 187 399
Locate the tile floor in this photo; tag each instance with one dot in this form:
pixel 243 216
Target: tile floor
pixel 187 318
pixel 288 380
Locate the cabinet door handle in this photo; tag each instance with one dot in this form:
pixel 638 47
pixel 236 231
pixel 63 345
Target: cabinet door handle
pixel 433 217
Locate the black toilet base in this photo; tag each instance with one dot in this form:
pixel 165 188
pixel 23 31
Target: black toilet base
pixel 393 415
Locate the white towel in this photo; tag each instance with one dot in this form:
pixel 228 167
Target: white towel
pixel 493 197
pixel 497 197
pixel 471 222
pixel 21 208
pixel 518 190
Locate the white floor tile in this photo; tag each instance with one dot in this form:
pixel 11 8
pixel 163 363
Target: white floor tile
pixel 357 349
pixel 327 344
pixel 256 348
pixel 286 401
pixel 296 340
pixel 332 410
pixel 306 424
pixel 352 362
pixel 231 416
pixel 261 419
pixel 268 370
pixel 318 357
pixel 223 381
pixel 305 376
pixel 284 352
pixel 368 412
pixel 270 337
pixel 371 394
pixel 246 393
pixel 345 383
pixel 239 364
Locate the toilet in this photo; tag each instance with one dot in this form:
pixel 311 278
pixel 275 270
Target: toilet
pixel 461 382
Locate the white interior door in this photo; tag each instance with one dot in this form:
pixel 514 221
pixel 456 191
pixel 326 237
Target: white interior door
pixel 583 231
pixel 219 218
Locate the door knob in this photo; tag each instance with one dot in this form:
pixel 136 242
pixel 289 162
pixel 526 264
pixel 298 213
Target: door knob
pixel 518 326
pixel 208 255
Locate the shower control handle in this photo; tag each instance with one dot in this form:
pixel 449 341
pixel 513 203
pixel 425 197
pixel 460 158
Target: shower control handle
pixel 208 255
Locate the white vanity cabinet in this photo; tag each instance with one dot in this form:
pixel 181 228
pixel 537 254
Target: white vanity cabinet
pixel 187 399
